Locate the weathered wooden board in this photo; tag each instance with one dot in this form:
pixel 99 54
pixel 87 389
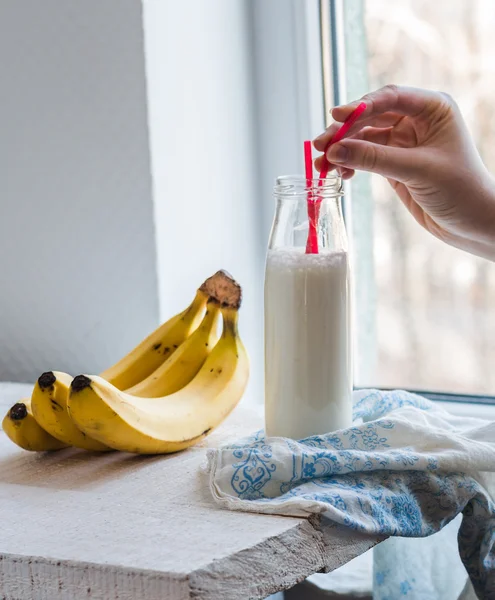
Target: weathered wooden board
pixel 114 526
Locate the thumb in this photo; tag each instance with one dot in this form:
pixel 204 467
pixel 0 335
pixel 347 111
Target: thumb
pixel 395 163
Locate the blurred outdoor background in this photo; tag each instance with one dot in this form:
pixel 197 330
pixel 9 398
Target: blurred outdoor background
pixel 435 317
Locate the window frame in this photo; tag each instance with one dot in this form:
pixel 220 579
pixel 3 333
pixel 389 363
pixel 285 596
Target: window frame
pixel 334 50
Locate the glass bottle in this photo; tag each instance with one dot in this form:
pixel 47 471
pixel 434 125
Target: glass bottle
pixel 308 371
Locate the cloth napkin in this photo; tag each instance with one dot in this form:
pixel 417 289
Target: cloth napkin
pixel 405 468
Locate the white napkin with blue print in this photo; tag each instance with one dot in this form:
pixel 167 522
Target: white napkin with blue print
pixel 406 468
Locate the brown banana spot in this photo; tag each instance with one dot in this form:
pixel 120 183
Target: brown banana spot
pixel 55 405
pixel 18 412
pixel 46 380
pixel 80 383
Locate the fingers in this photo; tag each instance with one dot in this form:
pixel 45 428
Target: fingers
pixel 320 161
pixel 404 100
pixel 376 135
pixel 386 120
pixel 385 107
pixel 344 172
pixel 348 173
pixel 389 161
pixel 371 134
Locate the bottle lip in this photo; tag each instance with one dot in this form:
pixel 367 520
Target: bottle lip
pixel 297 186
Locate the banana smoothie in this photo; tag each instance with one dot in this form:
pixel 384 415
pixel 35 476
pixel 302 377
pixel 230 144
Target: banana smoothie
pixel 308 378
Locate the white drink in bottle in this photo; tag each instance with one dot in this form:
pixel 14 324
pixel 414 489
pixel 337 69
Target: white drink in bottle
pixel 308 372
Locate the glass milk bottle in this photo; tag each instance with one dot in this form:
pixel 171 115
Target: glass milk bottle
pixel 308 371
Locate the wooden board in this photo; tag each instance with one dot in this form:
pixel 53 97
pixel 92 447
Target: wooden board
pixel 77 525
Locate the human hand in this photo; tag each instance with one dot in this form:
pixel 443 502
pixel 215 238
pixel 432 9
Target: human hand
pixel 419 141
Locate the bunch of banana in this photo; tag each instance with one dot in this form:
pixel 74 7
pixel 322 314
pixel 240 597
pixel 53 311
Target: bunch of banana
pixel 170 423
pixel 167 362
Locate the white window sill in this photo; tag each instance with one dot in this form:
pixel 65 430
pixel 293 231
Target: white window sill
pixel 465 409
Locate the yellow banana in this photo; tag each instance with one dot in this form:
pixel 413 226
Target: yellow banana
pixel 27 433
pixel 178 370
pixel 49 406
pixel 170 423
pixel 23 429
pixel 158 350
pixel 157 347
pixel 49 399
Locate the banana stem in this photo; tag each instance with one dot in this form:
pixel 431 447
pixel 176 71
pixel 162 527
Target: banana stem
pixel 230 320
pixel 211 315
pixel 195 307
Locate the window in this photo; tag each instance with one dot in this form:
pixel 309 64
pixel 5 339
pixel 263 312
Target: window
pixel 425 311
pixel 231 90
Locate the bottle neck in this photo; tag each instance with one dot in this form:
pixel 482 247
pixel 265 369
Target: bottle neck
pixel 291 223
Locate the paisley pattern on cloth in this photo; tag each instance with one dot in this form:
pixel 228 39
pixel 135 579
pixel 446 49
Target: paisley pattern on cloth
pixel 405 468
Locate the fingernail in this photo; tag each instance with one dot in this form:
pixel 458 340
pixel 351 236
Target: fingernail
pixel 339 106
pixel 338 154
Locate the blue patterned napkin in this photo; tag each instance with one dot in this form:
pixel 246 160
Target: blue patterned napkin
pixel 406 468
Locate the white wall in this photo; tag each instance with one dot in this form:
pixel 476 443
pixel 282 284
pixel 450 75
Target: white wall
pixel 77 272
pixel 227 113
pixel 288 89
pixel 201 111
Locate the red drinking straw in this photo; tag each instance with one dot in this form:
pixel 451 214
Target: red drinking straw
pixel 312 243
pixel 314 204
pixel 339 135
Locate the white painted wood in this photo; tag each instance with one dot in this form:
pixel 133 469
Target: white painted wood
pixel 288 89
pixel 202 142
pixel 79 525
